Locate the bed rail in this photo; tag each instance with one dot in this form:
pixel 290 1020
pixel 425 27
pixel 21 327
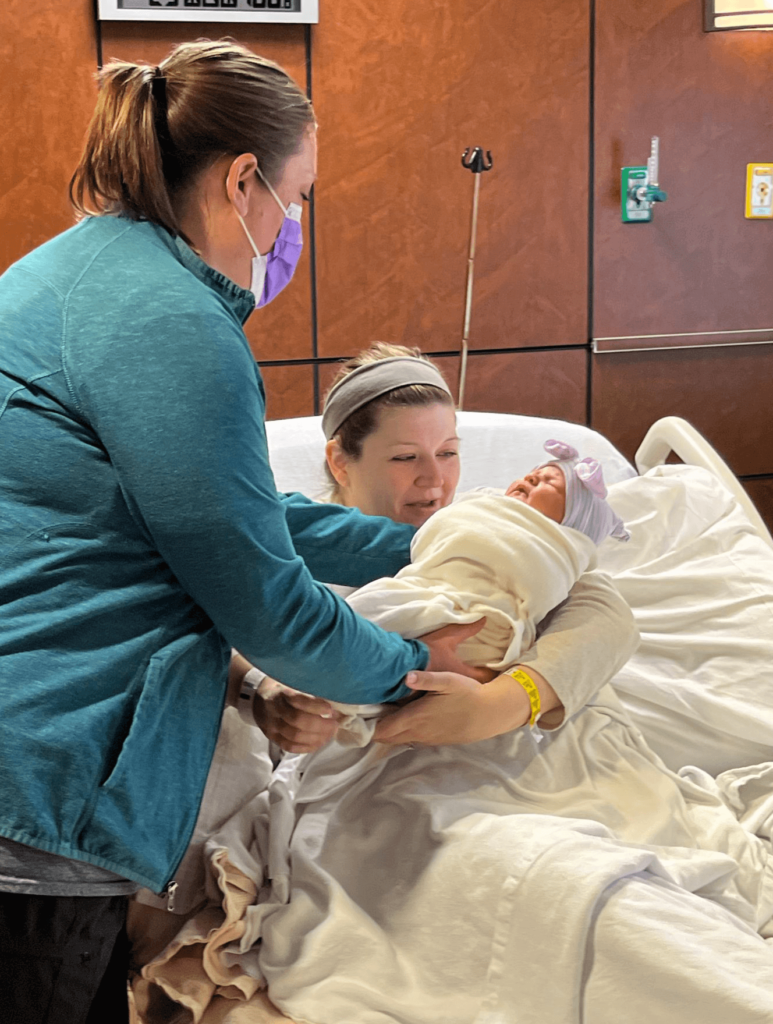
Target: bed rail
pixel 673 434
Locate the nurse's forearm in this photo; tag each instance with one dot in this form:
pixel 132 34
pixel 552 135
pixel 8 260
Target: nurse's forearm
pixel 341 545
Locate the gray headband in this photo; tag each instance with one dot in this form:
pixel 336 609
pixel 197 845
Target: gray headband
pixel 373 380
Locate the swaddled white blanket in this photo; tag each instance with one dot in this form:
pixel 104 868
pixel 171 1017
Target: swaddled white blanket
pixel 484 555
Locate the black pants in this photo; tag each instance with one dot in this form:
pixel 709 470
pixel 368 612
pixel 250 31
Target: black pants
pixel 63 959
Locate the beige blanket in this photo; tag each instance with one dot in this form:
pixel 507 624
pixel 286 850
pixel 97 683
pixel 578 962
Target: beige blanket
pixel 183 976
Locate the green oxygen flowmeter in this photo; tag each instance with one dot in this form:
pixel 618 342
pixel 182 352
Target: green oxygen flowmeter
pixel 639 190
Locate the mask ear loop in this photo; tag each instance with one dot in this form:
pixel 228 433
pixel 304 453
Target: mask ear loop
pixel 265 181
pixel 247 233
pixel 241 219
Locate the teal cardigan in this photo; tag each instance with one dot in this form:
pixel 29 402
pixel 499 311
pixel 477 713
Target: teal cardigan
pixel 141 537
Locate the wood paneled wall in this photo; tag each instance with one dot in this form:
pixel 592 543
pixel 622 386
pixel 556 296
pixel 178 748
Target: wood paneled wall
pixel 47 63
pixel 700 267
pixel 399 95
pixel 400 91
pixel 724 393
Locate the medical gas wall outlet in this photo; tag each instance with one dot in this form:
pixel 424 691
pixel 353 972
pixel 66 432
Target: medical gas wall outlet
pixel 639 189
pixel 759 191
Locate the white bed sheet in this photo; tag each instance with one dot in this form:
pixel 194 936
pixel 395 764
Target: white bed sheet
pixel 542 837
pixel 699 579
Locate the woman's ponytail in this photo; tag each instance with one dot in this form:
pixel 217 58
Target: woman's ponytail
pixel 122 169
pixel 155 129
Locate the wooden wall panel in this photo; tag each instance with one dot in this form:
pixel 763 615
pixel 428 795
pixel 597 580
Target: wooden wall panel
pixel 283 329
pixel 761 493
pixel 400 91
pixel 724 393
pixel 699 266
pixel 47 94
pixel 548 384
pixel 289 391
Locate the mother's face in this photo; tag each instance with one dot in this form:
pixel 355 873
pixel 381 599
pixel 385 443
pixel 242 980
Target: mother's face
pixel 409 467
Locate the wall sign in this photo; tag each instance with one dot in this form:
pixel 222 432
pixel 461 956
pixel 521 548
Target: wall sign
pixel 276 11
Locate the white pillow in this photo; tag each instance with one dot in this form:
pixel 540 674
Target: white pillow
pixel 496 448
pixel 700 583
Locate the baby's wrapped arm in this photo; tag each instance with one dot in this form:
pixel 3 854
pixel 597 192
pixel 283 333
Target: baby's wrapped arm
pixel 581 645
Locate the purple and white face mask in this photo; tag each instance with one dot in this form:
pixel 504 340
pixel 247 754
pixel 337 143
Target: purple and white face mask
pixel 281 262
pixel 272 272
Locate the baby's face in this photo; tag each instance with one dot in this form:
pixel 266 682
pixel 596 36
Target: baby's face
pixel 543 489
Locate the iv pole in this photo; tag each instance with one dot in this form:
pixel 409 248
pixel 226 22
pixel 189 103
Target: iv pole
pixel 475 162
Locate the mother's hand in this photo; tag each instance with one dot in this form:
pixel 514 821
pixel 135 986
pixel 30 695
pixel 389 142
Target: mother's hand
pixel 456 709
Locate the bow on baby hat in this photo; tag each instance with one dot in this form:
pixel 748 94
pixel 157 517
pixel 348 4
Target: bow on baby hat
pixel 587 509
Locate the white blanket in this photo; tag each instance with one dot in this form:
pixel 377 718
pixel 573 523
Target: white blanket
pixel 486 555
pixel 472 885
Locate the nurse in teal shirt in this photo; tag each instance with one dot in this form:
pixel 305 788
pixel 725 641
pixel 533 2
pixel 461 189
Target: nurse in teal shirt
pixel 141 534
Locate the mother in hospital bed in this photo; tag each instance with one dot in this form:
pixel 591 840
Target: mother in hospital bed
pixel 392 451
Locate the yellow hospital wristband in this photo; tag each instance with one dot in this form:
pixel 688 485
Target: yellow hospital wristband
pixel 531 691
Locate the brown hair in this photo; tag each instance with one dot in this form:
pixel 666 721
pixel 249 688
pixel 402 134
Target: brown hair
pixel 364 421
pixel 155 130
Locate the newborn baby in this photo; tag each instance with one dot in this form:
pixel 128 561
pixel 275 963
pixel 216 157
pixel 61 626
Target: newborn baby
pixel 510 556
pixel 568 490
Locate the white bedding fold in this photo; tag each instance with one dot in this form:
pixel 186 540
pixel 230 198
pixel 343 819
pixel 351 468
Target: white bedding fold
pixel 698 579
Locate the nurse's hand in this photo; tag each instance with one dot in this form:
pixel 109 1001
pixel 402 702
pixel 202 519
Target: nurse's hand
pixel 294 721
pixel 455 709
pixel 442 645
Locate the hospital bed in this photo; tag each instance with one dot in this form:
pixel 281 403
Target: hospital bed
pixel 673 434
pixel 698 573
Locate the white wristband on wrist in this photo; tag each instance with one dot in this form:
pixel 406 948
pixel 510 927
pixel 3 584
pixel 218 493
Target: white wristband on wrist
pixel 249 687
